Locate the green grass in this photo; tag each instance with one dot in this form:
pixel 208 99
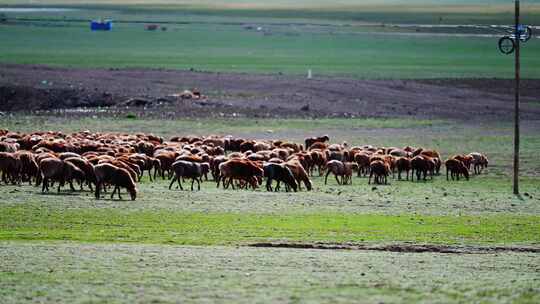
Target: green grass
pixel 213 38
pixel 120 273
pixel 291 50
pixel 109 225
pixel 205 126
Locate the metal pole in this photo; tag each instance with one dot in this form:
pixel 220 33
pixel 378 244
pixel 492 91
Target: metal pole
pixel 516 109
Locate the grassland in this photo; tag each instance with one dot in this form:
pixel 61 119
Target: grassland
pixel 168 274
pixel 231 48
pixel 291 41
pixel 172 245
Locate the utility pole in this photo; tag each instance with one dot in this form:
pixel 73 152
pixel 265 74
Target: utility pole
pixel 516 106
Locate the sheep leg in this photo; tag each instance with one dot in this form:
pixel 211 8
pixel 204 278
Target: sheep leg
pixel 299 182
pixel 114 191
pixel 192 182
pixel 71 186
pixel 150 174
pixel 337 180
pixel 60 184
pixel 44 182
pixel 180 183
pixel 326 177
pixel 269 184
pixel 172 182
pixel 98 186
pixel 119 195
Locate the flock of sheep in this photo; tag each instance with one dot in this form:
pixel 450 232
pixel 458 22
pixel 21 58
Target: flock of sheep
pixel 102 160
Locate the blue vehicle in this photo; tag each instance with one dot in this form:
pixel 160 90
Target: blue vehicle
pixel 101 25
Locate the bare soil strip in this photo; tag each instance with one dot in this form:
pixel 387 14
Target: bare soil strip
pixel 41 88
pixel 414 248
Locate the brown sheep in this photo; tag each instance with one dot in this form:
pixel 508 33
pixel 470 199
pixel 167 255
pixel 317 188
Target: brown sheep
pixel 479 162
pixel 299 173
pixel 29 166
pixel 239 169
pixel 421 165
pixel 185 169
pixel 318 146
pixel 318 158
pixel 166 159
pixel 338 168
pixel 54 169
pixel 280 173
pixel 465 159
pixel 381 170
pixel 311 140
pixel 456 168
pixel 85 167
pixel 403 164
pixel 362 159
pixel 10 167
pixel 109 174
pixel 436 157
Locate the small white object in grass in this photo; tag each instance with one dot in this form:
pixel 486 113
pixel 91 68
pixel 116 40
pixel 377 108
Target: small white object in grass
pixel 270 131
pixel 259 28
pixel 309 75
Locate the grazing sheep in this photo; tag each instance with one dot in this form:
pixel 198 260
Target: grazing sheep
pixel 311 140
pixel 300 174
pixel 362 159
pixel 403 164
pixel 166 159
pixel 479 162
pixel 187 169
pixel 318 158
pixel 86 167
pixel 280 173
pixel 240 169
pixel 29 167
pixel 421 166
pixel 54 169
pixel 456 168
pixel 10 167
pixel 381 170
pixel 109 174
pixel 465 159
pixel 338 168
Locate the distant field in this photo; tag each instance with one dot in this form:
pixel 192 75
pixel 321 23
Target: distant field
pixel 285 49
pixel 344 37
pixel 318 11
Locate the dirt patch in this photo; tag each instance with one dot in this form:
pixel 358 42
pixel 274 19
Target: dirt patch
pixel 414 248
pixel 41 88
